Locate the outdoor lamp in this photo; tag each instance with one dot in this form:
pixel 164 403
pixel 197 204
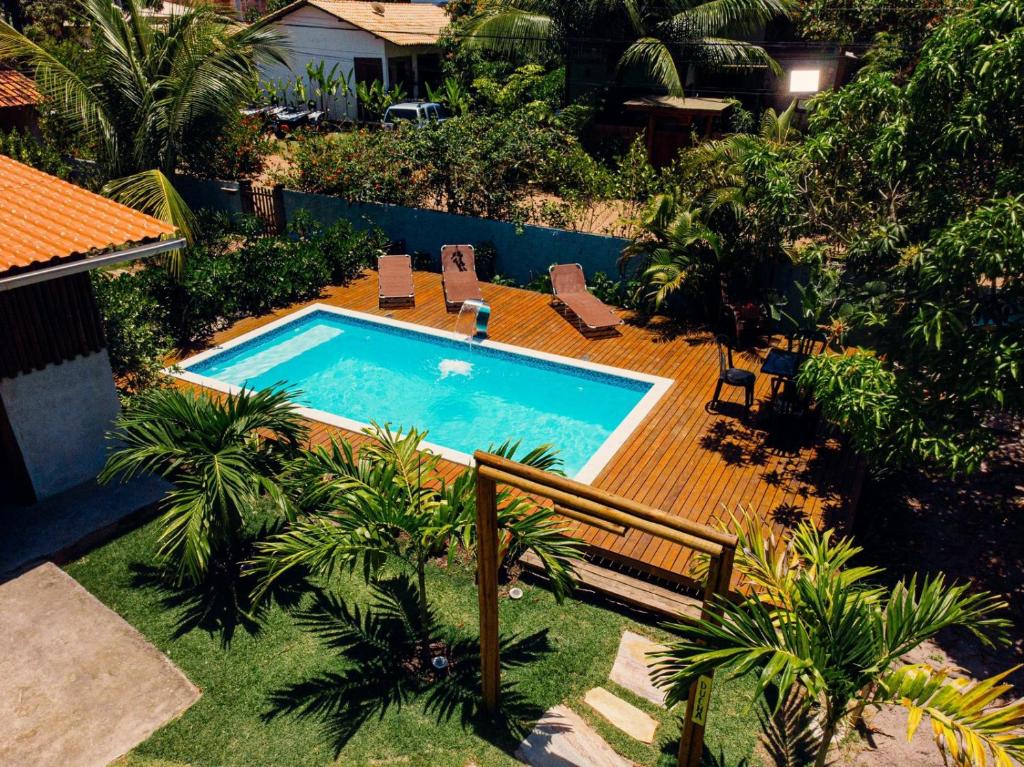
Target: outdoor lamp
pixel 804 80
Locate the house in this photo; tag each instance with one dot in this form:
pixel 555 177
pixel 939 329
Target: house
pixel 19 101
pixel 396 43
pixel 57 395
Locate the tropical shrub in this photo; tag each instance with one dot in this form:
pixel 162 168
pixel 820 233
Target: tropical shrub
pixel 134 325
pixel 817 631
pixel 27 149
pixel 221 453
pixel 390 503
pixel 235 148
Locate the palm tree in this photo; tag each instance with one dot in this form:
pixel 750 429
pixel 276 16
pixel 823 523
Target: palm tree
pixel 815 629
pixel 665 35
pixel 675 247
pixel 155 86
pixel 686 241
pixel 221 454
pixel 392 504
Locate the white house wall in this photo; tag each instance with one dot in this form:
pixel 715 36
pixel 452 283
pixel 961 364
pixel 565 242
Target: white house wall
pixel 312 36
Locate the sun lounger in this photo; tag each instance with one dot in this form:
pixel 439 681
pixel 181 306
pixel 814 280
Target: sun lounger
pixel 458 276
pixel 570 289
pixel 394 281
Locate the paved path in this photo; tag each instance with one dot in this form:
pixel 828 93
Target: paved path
pixel 78 686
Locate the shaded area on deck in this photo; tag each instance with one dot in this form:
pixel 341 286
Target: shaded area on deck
pixel 682 458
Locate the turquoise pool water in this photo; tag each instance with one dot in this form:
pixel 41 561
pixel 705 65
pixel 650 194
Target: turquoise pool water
pixel 467 396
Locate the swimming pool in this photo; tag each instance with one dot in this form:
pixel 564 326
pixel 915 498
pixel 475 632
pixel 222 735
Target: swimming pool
pixel 353 368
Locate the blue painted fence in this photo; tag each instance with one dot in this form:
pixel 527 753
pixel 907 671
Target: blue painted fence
pixel 523 252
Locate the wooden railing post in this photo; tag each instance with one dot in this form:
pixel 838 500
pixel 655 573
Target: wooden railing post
pixel 487 589
pixel 691 742
pixel 245 197
pixel 280 214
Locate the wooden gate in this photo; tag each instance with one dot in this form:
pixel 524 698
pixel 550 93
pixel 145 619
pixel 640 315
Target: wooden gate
pixel 266 203
pixel 609 512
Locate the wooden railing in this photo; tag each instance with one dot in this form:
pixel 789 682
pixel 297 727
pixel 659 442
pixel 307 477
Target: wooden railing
pixel 611 513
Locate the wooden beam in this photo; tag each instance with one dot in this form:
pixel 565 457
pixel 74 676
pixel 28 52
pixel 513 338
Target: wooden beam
pixel 598 511
pixel 605 498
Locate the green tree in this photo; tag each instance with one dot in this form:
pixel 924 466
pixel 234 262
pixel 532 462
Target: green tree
pixel 154 86
pixel 391 504
pixel 221 454
pixel 662 36
pixel 816 630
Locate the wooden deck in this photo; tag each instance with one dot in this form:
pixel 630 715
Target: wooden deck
pixel 681 459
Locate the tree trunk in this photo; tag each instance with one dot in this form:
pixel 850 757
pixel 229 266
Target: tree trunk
pixel 421 582
pixel 828 732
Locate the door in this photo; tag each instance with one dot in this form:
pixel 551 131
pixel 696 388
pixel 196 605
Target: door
pixel 367 71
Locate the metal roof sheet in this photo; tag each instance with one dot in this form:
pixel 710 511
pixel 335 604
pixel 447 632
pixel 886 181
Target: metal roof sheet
pixel 398 23
pixel 47 220
pixel 16 90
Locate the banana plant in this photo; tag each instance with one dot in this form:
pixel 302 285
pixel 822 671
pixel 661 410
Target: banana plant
pixel 817 629
pixel 325 82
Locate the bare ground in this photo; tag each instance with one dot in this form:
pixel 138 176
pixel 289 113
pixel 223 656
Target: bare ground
pixel 970 529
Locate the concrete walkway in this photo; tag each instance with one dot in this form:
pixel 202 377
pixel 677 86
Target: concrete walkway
pixel 63 526
pixel 78 686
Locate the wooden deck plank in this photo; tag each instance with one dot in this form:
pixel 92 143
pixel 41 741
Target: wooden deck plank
pixel 682 459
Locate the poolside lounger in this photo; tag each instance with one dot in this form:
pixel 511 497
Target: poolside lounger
pixel 458 276
pixel 570 289
pixel 394 281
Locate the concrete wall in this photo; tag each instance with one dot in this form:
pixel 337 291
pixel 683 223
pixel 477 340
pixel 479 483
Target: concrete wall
pixel 523 251
pixel 60 416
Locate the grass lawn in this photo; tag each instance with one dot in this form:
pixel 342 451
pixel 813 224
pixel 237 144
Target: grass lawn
pixel 229 725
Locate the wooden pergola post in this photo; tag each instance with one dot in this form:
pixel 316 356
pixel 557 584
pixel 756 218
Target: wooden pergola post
pixel 691 741
pixel 609 512
pixel 487 588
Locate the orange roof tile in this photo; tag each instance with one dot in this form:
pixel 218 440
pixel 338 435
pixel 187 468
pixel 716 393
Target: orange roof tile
pixel 16 90
pixel 398 23
pixel 46 220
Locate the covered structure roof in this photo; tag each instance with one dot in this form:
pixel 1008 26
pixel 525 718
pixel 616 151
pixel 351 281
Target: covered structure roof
pixel 47 221
pixel 398 23
pixel 679 104
pixel 16 90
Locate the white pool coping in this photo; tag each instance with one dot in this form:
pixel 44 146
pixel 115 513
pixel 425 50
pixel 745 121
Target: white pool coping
pixel 588 473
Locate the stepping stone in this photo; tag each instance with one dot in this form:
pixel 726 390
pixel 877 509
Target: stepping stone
pixel 627 717
pixel 561 738
pixel 632 668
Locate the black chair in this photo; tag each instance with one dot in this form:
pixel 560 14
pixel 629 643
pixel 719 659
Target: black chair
pixel 807 342
pixel 731 375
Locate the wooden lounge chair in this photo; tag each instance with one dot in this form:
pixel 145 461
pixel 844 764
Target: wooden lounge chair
pixel 570 289
pixel 394 281
pixel 458 276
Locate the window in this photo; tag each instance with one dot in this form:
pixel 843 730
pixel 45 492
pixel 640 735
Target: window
pixel 804 80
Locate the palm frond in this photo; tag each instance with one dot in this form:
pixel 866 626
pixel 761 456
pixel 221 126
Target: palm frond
pixel 967 721
pixel 653 57
pixel 738 18
pixel 152 192
pixel 509 30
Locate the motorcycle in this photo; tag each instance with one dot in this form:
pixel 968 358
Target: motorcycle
pixel 291 119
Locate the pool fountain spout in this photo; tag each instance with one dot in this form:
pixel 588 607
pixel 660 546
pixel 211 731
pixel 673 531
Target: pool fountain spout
pixel 481 314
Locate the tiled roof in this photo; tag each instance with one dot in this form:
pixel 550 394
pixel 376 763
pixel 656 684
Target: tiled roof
pixel 47 220
pixel 398 23
pixel 16 90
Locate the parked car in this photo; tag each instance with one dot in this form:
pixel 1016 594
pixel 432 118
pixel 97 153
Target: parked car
pixel 419 113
